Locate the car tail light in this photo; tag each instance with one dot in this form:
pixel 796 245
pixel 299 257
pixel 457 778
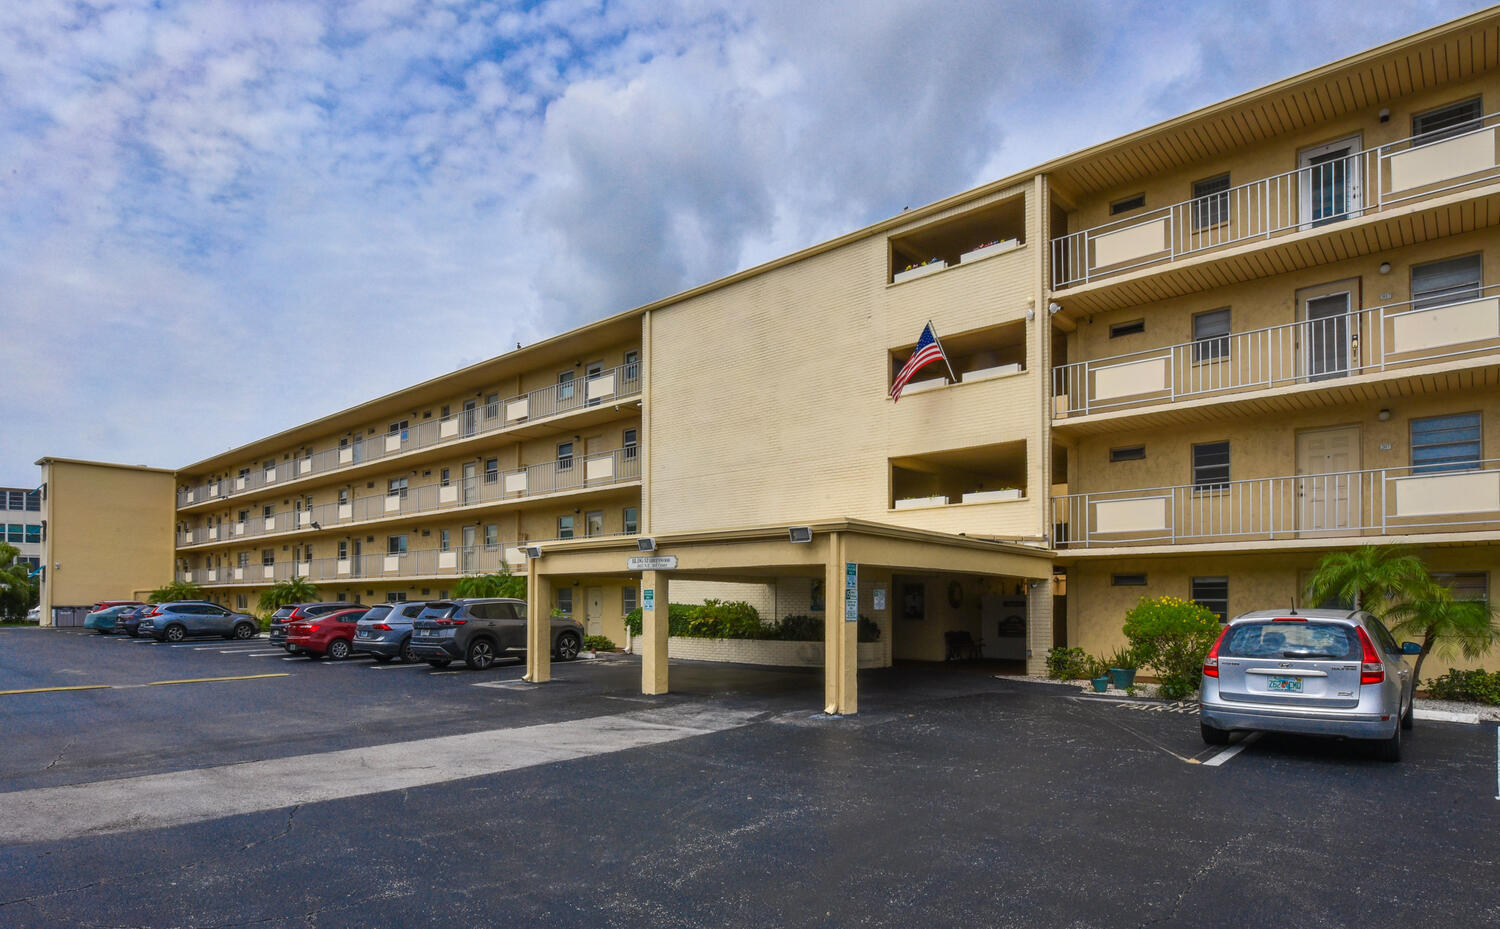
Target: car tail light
pixel 155 611
pixel 381 626
pixel 451 622
pixel 1211 660
pixel 1290 619
pixel 1371 668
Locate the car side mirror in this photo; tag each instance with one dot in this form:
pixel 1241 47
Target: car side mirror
pixel 1410 648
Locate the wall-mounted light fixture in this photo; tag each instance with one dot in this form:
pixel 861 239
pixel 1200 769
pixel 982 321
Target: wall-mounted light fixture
pixel 1383 415
pixel 800 533
pixel 646 544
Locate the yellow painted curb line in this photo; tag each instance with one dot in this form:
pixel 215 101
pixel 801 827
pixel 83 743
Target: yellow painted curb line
pixel 46 690
pixel 209 680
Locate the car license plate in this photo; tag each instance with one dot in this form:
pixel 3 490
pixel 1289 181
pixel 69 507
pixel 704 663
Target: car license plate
pixel 364 633
pixel 1289 685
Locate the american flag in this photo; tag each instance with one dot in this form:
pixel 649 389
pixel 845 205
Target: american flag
pixel 928 350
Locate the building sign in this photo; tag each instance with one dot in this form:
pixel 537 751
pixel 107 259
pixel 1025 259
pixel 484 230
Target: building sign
pixel 851 592
pixel 648 600
pixel 879 598
pixel 651 563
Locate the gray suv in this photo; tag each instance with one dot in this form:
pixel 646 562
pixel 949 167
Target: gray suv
pixel 1318 672
pixel 481 630
pixel 385 631
pixel 173 622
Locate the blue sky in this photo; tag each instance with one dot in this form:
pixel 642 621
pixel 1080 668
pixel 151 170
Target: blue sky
pixel 219 218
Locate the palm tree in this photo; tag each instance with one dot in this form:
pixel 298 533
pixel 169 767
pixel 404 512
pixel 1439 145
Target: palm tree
pixel 1366 575
pixel 1444 623
pixel 501 584
pixel 292 590
pixel 177 590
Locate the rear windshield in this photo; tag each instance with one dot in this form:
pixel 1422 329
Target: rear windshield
pixel 1292 640
pixel 322 608
pixel 438 610
pixel 377 611
pixel 283 613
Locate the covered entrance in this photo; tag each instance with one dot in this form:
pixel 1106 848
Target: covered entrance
pixel 851 569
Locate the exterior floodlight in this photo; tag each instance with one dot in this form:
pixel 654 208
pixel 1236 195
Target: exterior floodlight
pixel 532 551
pixel 646 544
pixel 800 533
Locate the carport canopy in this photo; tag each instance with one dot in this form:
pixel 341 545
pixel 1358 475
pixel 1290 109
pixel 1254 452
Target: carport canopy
pixel 836 548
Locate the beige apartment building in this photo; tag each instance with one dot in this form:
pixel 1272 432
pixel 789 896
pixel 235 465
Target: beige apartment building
pixel 1189 361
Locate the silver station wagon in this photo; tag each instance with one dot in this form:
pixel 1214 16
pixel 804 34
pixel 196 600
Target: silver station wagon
pixel 1317 672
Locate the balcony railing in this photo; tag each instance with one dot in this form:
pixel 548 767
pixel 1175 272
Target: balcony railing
pixel 582 472
pixel 455 562
pixel 481 419
pixel 1386 501
pixel 1339 188
pixel 1385 338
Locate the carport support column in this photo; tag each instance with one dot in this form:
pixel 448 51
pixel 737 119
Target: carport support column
pixel 655 626
pixel 840 638
pixel 538 625
pixel 1038 625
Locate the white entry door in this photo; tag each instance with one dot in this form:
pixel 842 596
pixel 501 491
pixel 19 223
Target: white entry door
pixel 594 610
pixel 1329 182
pixel 1328 482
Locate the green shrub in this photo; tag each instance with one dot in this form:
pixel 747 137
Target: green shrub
pixel 799 627
pixel 598 643
pixel 1171 637
pixel 869 630
pixel 1121 658
pixel 719 619
pixel 1467 686
pixel 1072 664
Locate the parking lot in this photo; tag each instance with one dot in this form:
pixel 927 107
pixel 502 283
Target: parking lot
pixel 211 783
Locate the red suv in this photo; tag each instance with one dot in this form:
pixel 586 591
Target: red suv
pixel 330 635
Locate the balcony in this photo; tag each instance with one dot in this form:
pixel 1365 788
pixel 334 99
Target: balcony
pixel 584 472
pixel 508 415
pixel 426 563
pixel 1318 352
pixel 1343 505
pixel 1341 189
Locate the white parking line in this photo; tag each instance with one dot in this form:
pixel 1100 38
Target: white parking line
pixel 397 667
pixel 263 654
pixel 1231 751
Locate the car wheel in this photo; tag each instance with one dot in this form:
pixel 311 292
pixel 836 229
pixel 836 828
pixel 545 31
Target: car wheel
pixel 407 655
pixel 1406 718
pixel 440 662
pixel 383 659
pixel 338 649
pixel 102 631
pixel 244 631
pixel 175 633
pixel 1389 749
pixel 568 646
pixel 481 654
pixel 1213 736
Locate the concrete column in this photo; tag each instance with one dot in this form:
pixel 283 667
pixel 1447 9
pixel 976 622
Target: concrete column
pixel 538 625
pixel 840 638
pixel 654 630
pixel 1038 625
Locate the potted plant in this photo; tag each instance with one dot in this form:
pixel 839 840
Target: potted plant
pixel 1098 676
pixel 1122 665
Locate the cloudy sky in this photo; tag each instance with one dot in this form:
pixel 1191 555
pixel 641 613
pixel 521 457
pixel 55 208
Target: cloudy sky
pixel 219 218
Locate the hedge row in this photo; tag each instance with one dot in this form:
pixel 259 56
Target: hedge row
pixel 718 619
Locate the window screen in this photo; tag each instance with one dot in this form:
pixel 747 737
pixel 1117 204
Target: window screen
pixel 1442 282
pixel 1445 121
pixel 1127 204
pixel 1211 335
pixel 1127 580
pixel 1210 201
pixel 1445 443
pixel 1466 585
pixel 1211 465
pixel 1128 453
pixel 1213 593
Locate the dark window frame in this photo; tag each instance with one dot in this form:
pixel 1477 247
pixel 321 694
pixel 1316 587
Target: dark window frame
pixel 1211 346
pixel 1211 475
pixel 1436 440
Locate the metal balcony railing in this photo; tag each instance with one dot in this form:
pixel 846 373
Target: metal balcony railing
pixel 479 419
pixel 1330 190
pixel 1401 335
pixel 454 562
pixel 581 472
pixel 1385 501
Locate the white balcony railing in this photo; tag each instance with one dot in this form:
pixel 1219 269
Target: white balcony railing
pixel 455 562
pixel 1329 191
pixel 481 419
pixel 1387 501
pixel 582 472
pixel 1385 338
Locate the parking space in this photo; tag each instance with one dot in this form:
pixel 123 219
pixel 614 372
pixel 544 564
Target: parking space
pixel 344 794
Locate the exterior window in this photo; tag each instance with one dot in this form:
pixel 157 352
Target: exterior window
pixel 629 444
pixel 1210 202
pixel 241 601
pixel 564 456
pixel 445 477
pixel 632 520
pixel 1127 580
pixel 399 429
pixel 1446 443
pixel 1468 585
pixel 395 597
pixel 268 510
pixel 565 385
pixel 492 537
pixel 244 472
pixel 267 557
pixel 33 533
pixel 627 599
pixel 14 500
pixel 593 523
pixel 396 487
pixel 631 360
pixel 15 532
pixel 395 545
pixel 445 541
pixel 1128 453
pixel 1442 282
pixel 243 560
pixel 1213 593
pixel 565 600
pixel 243 516
pixel 1445 121
pixel 1211 335
pixel 344 551
pixel 565 527
pixel 33 502
pixel 1127 204
pixel 491 470
pixel 491 405
pixel 1134 327
pixel 1211 466
pixel 344 497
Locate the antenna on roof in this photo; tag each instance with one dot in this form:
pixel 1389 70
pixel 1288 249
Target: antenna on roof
pixel 1293 610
